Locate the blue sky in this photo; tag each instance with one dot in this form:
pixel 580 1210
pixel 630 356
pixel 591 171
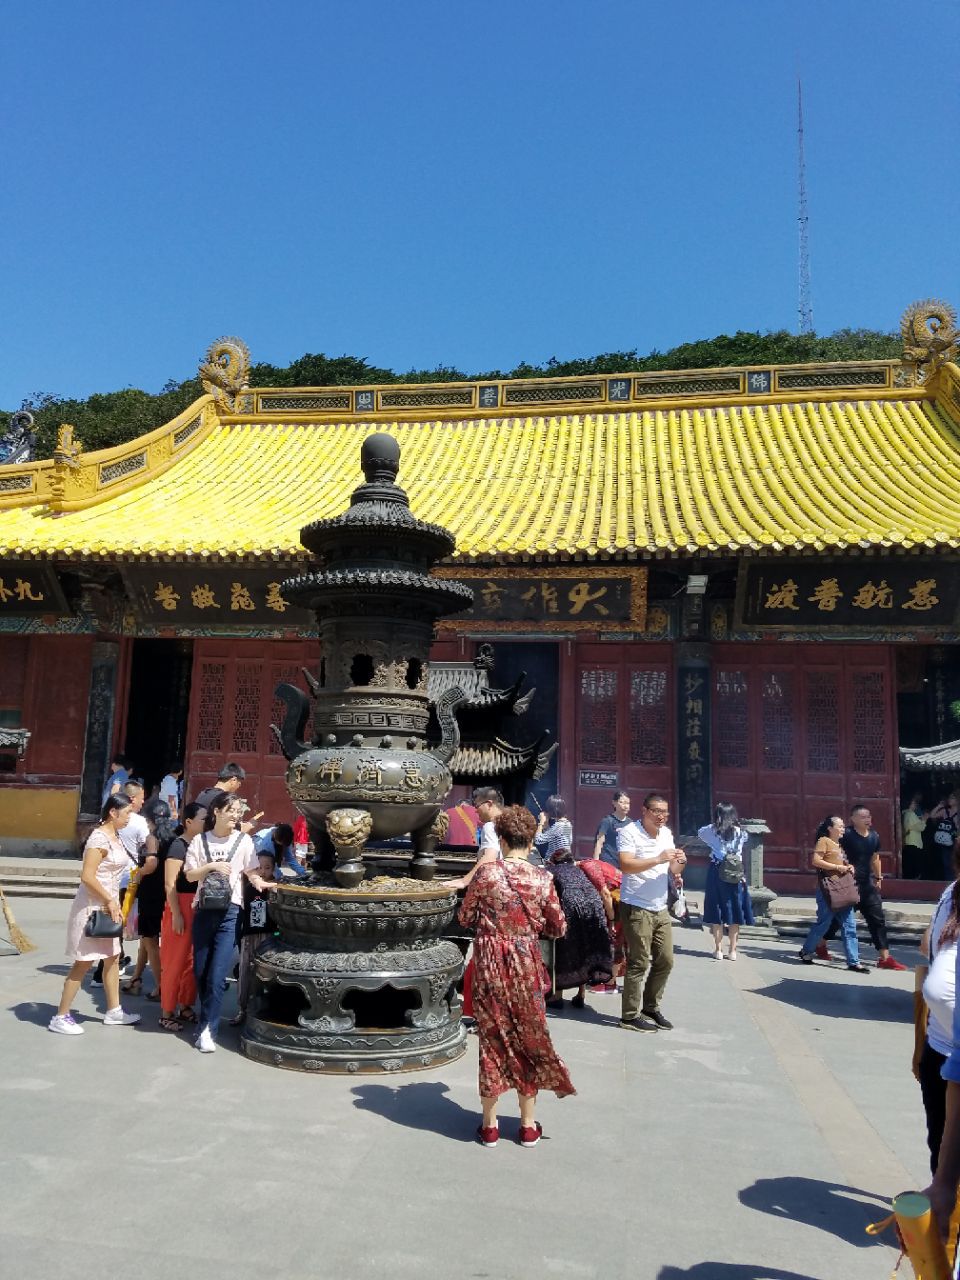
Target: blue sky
pixel 461 183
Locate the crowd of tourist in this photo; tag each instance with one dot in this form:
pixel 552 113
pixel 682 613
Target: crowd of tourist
pixel 191 891
pixel 192 882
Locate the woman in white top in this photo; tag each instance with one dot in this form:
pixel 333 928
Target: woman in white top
pixel 104 861
pixel 554 832
pixel 220 852
pixel 939 994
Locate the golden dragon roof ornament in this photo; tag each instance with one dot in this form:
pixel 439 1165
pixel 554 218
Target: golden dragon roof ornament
pixel 225 371
pixel 930 338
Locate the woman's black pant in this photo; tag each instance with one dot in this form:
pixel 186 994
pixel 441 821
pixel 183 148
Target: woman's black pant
pixel 933 1090
pixel 871 908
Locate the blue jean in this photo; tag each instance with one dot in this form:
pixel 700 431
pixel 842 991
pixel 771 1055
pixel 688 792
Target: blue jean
pixel 848 929
pixel 214 938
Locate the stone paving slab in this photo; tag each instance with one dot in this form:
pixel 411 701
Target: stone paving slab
pixel 753 1142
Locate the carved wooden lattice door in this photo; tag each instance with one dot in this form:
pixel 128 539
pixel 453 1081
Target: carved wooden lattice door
pixel 803 730
pixel 232 706
pixel 624 727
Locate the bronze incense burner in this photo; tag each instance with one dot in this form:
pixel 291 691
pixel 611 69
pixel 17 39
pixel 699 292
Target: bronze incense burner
pixel 359 978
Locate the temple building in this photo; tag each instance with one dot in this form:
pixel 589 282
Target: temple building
pixel 734 584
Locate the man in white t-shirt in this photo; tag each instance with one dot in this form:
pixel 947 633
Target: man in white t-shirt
pixel 488 802
pixel 135 834
pixel 647 856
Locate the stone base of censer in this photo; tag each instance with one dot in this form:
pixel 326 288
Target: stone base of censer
pixel 359 979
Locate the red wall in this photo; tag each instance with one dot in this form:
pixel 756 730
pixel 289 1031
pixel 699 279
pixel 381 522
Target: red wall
pixel 49 676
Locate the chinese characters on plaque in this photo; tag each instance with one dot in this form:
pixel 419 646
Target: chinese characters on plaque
pixel 564 599
pixel 30 587
pixel 869 593
pixel 598 778
pixel 174 594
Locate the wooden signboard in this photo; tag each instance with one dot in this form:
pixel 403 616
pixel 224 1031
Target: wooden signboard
pixel 816 593
pixel 549 598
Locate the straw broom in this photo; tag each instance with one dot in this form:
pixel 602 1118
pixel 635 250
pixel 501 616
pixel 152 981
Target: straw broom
pixel 17 936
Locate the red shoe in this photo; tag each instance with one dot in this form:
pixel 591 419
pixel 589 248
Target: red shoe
pixel 529 1137
pixel 820 951
pixel 890 963
pixel 488 1137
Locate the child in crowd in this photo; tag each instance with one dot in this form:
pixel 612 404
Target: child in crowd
pixel 278 842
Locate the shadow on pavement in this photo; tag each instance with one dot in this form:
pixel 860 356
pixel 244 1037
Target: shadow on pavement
pixel 829 1206
pixel 853 999
pixel 39 1014
pixel 731 1271
pixel 423 1106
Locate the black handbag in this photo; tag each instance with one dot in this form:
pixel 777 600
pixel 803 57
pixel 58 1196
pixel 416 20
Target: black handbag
pixel 100 924
pixel 216 892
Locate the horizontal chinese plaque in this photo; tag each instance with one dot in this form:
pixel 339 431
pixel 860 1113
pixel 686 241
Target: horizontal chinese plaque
pixel 203 596
pixel 30 586
pixel 568 598
pixel 902 594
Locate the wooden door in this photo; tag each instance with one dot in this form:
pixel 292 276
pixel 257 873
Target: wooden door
pixel 800 731
pixel 624 727
pixel 232 705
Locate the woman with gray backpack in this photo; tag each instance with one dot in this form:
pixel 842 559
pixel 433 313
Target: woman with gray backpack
pixel 217 861
pixel 726 900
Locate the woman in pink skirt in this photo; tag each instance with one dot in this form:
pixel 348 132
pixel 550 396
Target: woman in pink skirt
pixel 104 862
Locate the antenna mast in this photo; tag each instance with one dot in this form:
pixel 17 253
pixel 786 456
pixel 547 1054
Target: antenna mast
pixel 804 306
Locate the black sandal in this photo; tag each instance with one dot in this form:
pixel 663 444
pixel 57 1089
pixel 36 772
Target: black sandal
pixel 170 1024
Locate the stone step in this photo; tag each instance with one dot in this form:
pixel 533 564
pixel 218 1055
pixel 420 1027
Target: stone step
pixel 40 868
pixel 38 886
pixel 22 877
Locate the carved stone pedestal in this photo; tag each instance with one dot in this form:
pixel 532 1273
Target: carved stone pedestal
pixel 358 982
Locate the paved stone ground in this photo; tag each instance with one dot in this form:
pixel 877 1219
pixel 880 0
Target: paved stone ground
pixel 753 1142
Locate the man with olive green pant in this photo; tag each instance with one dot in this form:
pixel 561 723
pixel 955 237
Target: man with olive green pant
pixel 647 856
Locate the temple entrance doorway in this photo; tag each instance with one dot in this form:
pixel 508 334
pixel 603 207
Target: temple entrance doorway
pixel 157 709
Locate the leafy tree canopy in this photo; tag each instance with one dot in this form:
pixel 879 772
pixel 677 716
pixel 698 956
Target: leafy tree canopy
pixel 110 418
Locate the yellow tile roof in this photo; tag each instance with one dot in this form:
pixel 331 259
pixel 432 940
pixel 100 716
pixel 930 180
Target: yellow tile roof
pixel 792 476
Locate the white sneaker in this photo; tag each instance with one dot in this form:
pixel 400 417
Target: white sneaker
pixel 204 1041
pixel 64 1024
pixel 117 1018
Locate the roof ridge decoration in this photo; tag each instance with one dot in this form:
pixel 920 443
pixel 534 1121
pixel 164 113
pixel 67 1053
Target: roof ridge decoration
pixel 72 480
pixel 930 340
pixel 225 372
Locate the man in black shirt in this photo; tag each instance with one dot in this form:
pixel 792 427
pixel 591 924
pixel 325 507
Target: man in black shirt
pixel 861 844
pixel 229 779
pixel 605 847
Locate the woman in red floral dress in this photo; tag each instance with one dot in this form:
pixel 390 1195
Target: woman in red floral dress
pixel 509 905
